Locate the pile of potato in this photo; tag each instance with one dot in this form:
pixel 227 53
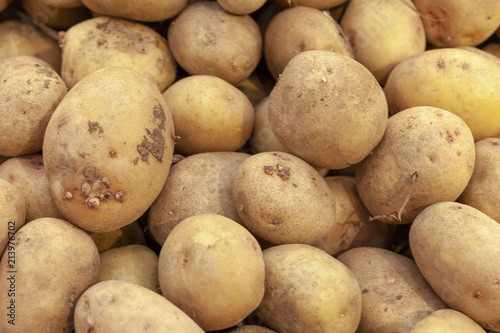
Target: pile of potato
pixel 249 166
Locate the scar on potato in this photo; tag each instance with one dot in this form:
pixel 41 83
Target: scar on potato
pixel 96 188
pixel 281 171
pixel 94 126
pixel 154 147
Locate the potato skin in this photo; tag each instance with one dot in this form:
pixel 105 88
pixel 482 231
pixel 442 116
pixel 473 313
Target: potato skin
pixel 395 295
pixel 120 306
pixel 447 320
pixel 12 212
pixel 453 245
pixel 55 263
pixel 107 158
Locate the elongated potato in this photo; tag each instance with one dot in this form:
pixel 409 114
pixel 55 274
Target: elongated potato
pixel 12 212
pixel 120 306
pixel 51 264
pixel 445 321
pixel 453 245
pixel 107 158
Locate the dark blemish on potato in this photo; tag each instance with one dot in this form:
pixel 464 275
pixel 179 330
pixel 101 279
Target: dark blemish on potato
pixel 295 185
pixel 495 143
pixel 91 174
pixel 154 147
pixel 276 154
pixel 459 153
pixel 159 115
pixel 364 291
pixel 477 293
pixel 283 172
pixel 441 64
pixel 82 155
pixel 101 42
pixel 449 137
pixel 46 84
pixel 302 46
pixel 106 196
pixel 135 161
pixel 399 297
pixel 25 92
pixel 185 261
pixel 47 72
pixel 269 170
pixel 465 67
pixel 103 26
pixel 119 196
pixel 385 310
pixel 275 222
pixel 431 159
pixel 94 126
pixel 329 70
pixel 37 165
pixel 113 154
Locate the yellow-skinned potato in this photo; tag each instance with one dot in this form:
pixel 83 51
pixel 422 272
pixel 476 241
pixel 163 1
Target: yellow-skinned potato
pixel 450 23
pixel 207 40
pixel 53 16
pixel 382 33
pixel 29 175
pixel 120 306
pixel 482 52
pixel 12 213
pixel 209 114
pixel 395 295
pixel 130 234
pixel 308 290
pixel 453 79
pixel 318 4
pixel 482 190
pixel 426 156
pixel 55 262
pixel 299 29
pixel 143 11
pixel 105 41
pixel 107 158
pixel 213 269
pixel 453 245
pixel 445 321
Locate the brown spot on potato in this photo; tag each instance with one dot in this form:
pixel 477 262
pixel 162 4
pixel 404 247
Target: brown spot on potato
pixel 154 147
pixel 477 293
pixel 364 291
pixel 441 64
pixel 159 115
pixel 269 170
pixel 465 67
pixel 94 126
pixel 113 154
pixel 275 222
pixel 37 165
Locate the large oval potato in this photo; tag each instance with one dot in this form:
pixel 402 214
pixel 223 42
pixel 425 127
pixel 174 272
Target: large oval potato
pixel 308 290
pixel 108 149
pixel 120 306
pixel 395 295
pixel 456 248
pixel 42 276
pixel 12 212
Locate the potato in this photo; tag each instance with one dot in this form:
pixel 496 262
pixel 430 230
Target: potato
pixel 144 11
pixel 54 16
pixel 29 94
pixel 207 40
pixel 426 156
pixel 327 109
pixel 299 29
pixel 136 264
pixel 130 234
pixel 213 269
pixel 51 264
pixel 19 38
pixel 453 79
pixel 256 87
pixel 282 199
pixel 481 191
pixel 240 7
pixel 450 23
pixel 447 320
pixel 308 290
pixel 209 115
pixel 120 306
pixel 382 33
pixel 252 329
pixel 12 212
pixel 453 245
pixel 107 158
pixel 29 175
pixel 318 4
pixel 199 184
pixel 104 41
pixel 395 296
pixel 262 138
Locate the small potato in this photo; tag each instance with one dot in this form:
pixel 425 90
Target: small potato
pixel 241 7
pixel 299 29
pixel 482 189
pixel 107 158
pixel 52 264
pixel 252 329
pixel 308 290
pixel 199 184
pixel 452 79
pixel 29 175
pixel 130 234
pixel 445 321
pixel 53 16
pixel 453 245
pixel 29 94
pixel 12 213
pixel 132 263
pixel 395 295
pixel 213 269
pixel 209 115
pixel 120 306
pixel 426 156
pixel 207 40
pixel 327 109
pixel 263 138
pixel 282 199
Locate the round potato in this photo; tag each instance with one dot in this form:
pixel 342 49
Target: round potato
pixel 120 306
pixel 299 29
pixel 128 235
pixel 327 109
pixel 395 295
pixel 50 265
pixel 453 79
pixel 426 156
pixel 105 41
pixel 282 199
pixel 199 184
pixel 213 269
pixel 29 94
pixel 308 290
pixel 12 213
pixel 207 40
pixel 209 115
pixel 445 321
pixel 453 245
pixel 108 149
